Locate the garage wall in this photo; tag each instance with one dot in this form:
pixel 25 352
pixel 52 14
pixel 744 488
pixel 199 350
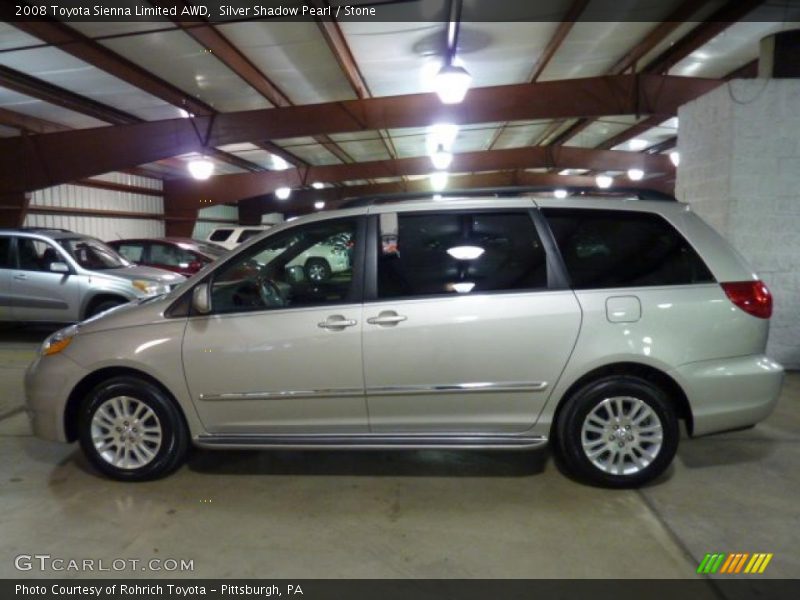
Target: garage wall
pixel 740 170
pixel 80 208
pixel 212 217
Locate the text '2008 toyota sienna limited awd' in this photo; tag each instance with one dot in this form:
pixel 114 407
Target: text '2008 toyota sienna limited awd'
pixel 593 323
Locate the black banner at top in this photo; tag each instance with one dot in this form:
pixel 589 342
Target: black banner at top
pixel 222 11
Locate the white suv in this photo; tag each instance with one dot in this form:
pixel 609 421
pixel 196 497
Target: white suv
pixel 231 236
pixel 596 324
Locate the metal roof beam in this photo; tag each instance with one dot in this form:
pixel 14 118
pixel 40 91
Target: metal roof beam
pixel 39 161
pixel 191 194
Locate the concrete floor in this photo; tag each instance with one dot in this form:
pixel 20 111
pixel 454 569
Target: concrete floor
pixel 405 514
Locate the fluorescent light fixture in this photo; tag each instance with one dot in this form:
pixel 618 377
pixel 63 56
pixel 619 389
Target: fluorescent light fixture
pixel 675 157
pixel 437 196
pixel 201 168
pixel 465 252
pixel 604 181
pixel 637 144
pixel 560 194
pixel 283 193
pixel 635 174
pixel 441 158
pixel 317 185
pixel 439 180
pixel 279 164
pixel 464 287
pixel 319 205
pixel 452 83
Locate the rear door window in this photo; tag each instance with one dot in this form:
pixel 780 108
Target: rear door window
pixel 610 248
pixel 425 254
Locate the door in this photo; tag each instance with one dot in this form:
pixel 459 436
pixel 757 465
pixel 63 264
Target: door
pixel 280 353
pixel 6 272
pixel 464 333
pixel 40 294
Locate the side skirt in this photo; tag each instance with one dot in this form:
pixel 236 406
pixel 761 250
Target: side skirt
pixel 371 441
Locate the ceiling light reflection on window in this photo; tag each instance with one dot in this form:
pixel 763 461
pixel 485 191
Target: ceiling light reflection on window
pixel 465 252
pixel 463 287
pixel 439 180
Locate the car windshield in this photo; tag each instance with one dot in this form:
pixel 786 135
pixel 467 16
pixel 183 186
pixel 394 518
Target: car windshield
pixel 93 254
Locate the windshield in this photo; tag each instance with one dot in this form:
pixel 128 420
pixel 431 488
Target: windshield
pixel 93 254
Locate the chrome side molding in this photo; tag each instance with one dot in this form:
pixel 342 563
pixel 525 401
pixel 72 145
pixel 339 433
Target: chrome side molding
pixel 399 390
pixel 460 388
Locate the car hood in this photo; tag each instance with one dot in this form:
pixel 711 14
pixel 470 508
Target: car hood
pixel 144 311
pixel 149 273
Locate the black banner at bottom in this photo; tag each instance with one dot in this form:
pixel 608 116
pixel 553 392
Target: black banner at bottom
pixel 400 589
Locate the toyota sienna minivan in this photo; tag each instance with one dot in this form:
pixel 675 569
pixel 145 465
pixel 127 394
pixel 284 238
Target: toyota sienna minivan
pixel 595 324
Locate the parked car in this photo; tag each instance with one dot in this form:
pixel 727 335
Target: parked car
pixel 500 323
pixel 231 236
pixel 53 275
pixel 180 255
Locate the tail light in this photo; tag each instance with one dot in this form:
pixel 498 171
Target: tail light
pixel 752 297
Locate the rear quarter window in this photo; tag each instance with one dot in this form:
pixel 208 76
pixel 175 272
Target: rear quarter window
pixel 609 248
pixel 220 235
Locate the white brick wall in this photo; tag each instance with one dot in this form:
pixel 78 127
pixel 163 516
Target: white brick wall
pixel 740 170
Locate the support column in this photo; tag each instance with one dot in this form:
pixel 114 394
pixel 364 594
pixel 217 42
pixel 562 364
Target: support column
pixel 13 208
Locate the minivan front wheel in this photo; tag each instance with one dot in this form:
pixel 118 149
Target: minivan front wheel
pixel 619 431
pixel 130 430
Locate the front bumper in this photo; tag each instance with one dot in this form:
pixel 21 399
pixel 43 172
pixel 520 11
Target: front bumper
pixel 730 393
pixel 48 383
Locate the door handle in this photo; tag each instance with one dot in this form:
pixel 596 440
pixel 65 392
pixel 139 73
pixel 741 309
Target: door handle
pixel 20 276
pixel 337 323
pixel 388 317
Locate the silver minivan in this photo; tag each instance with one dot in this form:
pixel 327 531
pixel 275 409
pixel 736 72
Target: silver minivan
pixel 59 276
pixel 597 324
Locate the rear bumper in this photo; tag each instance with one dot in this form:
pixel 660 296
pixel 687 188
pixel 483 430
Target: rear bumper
pixel 730 393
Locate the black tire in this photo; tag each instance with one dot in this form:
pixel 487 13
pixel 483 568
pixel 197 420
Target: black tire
pixel 569 433
pixel 317 270
pixel 174 444
pixel 103 306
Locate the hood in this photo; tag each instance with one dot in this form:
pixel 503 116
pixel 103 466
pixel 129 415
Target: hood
pixel 136 313
pixel 149 273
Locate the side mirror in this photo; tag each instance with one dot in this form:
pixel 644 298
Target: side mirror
pixel 59 267
pixel 201 299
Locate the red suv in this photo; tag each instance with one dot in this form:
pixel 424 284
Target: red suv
pixel 180 255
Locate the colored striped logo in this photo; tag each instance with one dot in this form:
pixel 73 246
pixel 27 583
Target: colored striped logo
pixel 733 564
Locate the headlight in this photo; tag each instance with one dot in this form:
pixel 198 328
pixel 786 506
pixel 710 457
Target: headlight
pixel 151 288
pixel 58 341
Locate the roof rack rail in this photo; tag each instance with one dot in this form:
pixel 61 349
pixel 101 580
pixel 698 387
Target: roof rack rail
pixel 42 229
pixel 512 191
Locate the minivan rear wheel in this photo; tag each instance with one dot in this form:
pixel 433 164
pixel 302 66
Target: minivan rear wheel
pixel 619 431
pixel 130 430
